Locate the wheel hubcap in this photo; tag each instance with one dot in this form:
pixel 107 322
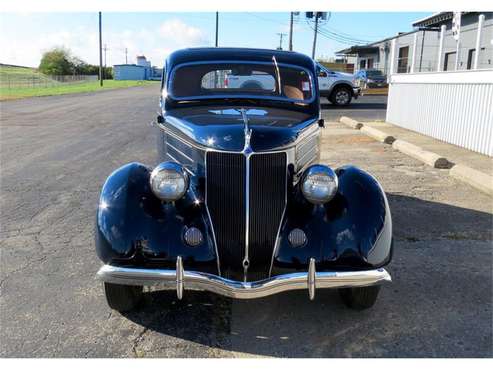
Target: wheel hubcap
pixel 342 97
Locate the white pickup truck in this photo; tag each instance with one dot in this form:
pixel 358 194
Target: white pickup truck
pixel 337 87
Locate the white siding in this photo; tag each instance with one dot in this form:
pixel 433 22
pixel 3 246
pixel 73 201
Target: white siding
pixel 455 107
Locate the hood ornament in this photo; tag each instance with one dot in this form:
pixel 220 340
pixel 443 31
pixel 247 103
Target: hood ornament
pixel 247 149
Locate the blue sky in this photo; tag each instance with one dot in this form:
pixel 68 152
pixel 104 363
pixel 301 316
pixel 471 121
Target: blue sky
pixel 24 36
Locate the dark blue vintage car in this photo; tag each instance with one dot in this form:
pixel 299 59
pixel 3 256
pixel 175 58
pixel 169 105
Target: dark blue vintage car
pixel 238 205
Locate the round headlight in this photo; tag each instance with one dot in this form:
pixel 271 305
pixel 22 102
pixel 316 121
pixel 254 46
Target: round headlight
pixel 319 184
pixel 169 181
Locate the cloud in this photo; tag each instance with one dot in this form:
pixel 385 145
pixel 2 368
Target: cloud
pixel 153 42
pixel 182 34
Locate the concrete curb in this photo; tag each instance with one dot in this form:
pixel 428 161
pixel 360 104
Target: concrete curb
pixel 473 177
pixel 430 158
pixel 351 122
pixel 378 135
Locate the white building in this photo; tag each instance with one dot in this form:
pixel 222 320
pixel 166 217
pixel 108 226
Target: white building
pixel 140 71
pixel 430 46
pixel 452 99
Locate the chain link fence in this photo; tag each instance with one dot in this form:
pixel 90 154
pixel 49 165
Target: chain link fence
pixel 38 80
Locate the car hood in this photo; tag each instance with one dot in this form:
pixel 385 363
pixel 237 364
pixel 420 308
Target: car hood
pixel 223 128
pixel 345 76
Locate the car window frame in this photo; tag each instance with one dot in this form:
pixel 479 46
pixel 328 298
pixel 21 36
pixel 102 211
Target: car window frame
pixel 171 74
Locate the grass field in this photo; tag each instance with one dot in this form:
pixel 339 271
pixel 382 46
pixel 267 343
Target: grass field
pixel 20 82
pixel 21 74
pixel 63 88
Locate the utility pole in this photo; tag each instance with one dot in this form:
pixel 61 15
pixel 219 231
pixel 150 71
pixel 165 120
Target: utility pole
pixel 281 35
pixel 291 32
pixel 105 48
pixel 316 14
pixel 217 28
pixel 100 54
pixel 126 54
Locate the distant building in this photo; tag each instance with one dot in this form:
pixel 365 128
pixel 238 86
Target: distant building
pixel 424 42
pixel 140 71
pixel 440 78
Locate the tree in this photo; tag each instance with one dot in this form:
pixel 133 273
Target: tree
pixel 60 61
pixel 56 61
pixel 79 67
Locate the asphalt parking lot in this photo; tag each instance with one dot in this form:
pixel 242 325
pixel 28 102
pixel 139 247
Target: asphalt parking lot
pixel 365 108
pixel 57 151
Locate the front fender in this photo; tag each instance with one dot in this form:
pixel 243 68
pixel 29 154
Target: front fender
pixel 133 227
pixel 352 231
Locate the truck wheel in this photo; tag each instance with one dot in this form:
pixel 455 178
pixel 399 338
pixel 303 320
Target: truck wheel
pixel 122 298
pixel 359 298
pixel 341 96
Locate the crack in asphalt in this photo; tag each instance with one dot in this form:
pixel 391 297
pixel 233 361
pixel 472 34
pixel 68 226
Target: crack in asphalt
pixel 136 341
pixel 27 265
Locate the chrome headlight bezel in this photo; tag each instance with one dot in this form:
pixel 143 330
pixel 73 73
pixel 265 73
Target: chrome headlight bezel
pixel 319 173
pixel 171 169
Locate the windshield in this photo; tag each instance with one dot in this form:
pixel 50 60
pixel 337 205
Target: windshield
pixel 241 79
pixel 374 73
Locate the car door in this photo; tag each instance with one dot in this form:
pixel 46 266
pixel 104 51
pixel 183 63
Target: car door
pixel 328 80
pixel 322 78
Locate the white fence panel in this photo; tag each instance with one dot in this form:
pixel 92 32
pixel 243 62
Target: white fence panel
pixel 455 107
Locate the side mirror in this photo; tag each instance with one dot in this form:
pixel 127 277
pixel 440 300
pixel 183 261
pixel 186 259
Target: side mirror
pixel 160 118
pixel 322 74
pixel 321 122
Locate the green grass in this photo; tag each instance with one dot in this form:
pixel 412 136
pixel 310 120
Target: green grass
pixel 23 76
pixel 66 88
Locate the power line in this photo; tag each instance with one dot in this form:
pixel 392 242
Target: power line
pixel 337 37
pixel 354 36
pixel 340 38
pixel 266 19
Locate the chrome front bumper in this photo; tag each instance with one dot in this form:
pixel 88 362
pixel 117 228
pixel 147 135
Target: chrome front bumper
pixel 180 279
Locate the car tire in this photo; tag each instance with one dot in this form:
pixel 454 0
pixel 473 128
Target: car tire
pixel 122 298
pixel 341 96
pixel 359 298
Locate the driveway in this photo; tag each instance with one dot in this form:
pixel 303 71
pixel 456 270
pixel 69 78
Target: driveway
pixel 365 108
pixel 57 151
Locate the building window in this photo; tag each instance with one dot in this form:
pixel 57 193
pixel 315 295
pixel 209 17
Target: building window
pixel 449 62
pixel 403 59
pixel 370 63
pixel 470 58
pixel 471 55
pixel 362 64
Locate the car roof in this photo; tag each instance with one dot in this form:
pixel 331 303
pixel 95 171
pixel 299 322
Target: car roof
pixel 238 54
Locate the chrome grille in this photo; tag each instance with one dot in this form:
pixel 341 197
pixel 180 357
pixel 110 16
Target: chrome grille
pixel 226 201
pixel 267 202
pixel 225 188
